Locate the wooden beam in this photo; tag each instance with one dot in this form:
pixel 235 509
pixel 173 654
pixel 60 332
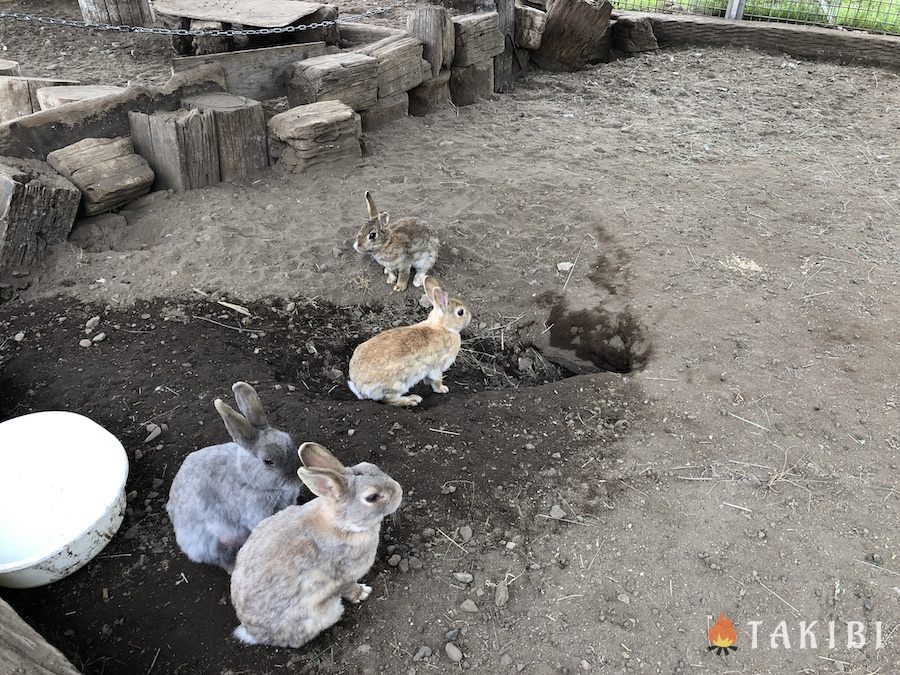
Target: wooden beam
pixel 23 650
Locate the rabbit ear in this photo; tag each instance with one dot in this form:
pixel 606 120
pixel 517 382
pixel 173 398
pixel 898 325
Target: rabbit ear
pixel 440 299
pixel 315 456
pixel 250 404
pixel 243 433
pixel 370 202
pixel 430 284
pixel 384 218
pixel 323 482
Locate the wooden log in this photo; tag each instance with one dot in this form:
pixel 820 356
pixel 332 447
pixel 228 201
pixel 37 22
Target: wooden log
pixel 399 63
pixel 472 83
pixel 117 12
pixel 317 135
pixel 478 38
pixel 181 147
pixel 530 23
pixel 349 77
pixel 23 650
pixel 107 171
pixel 37 209
pixel 430 95
pixel 633 35
pixel 37 135
pixel 18 95
pixel 99 233
pixel 385 111
pixel 240 130
pixel 208 44
pixel 9 68
pixel 575 35
pixel 503 62
pixel 523 61
pixel 259 74
pixel 52 97
pixel 359 34
pixel 432 25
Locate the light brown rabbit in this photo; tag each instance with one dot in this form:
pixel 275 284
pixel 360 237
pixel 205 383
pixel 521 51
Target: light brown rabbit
pixel 297 565
pixel 397 246
pixel 387 366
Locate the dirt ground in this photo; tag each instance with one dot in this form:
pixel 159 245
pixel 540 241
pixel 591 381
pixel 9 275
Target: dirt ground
pixel 733 223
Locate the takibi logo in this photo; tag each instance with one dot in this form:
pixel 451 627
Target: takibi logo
pixel 722 636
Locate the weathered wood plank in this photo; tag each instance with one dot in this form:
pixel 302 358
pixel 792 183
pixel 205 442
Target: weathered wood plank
pixel 257 13
pixel 399 63
pixel 385 111
pixel 37 209
pixel 107 171
pixel 472 83
pixel 241 132
pixel 575 35
pixel 348 77
pixel 779 38
pixel 530 23
pixel 181 147
pixel 18 95
pixel 23 650
pixel 255 73
pixel 51 97
pixel 503 62
pixel 430 95
pixel 10 68
pixel 477 38
pixel 116 12
pixel 356 34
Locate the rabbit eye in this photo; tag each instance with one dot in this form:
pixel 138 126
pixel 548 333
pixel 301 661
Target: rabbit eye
pixel 372 236
pixel 372 498
pixel 460 312
pixel 268 461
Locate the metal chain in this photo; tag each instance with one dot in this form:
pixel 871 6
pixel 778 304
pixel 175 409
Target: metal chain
pixel 152 30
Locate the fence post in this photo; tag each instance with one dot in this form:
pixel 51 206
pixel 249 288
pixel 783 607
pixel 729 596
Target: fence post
pixel 735 10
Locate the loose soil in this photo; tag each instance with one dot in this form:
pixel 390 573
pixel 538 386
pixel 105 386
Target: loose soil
pixel 732 220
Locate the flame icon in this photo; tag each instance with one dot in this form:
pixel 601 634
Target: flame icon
pixel 722 636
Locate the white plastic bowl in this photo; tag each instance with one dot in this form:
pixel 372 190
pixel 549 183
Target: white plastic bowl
pixel 62 495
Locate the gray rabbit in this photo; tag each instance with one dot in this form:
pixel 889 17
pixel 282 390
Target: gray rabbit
pixel 222 492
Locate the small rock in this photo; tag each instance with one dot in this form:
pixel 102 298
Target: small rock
pixel 465 533
pixel 153 431
pixel 404 565
pixel 452 634
pixel 463 577
pixel 469 606
pixel 350 432
pixel 564 266
pixel 290 307
pixel 18 337
pixel 99 337
pixel 394 560
pixel 585 664
pixel 454 653
pixel 623 597
pixel 422 653
pixel 501 595
pixel 428 533
pixel 415 563
pixel 92 323
pixel 85 343
pixel 138 453
pixel 556 512
pixel 506 660
pixel 363 649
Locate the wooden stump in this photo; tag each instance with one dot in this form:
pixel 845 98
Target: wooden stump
pixel 530 24
pixel 255 73
pixel 9 68
pixel 432 25
pixel 634 35
pixel 181 147
pixel 18 95
pixel 107 171
pixel 117 12
pixel 316 135
pixel 349 77
pixel 37 209
pixel 385 111
pixel 575 35
pixel 52 97
pixel 503 62
pixel 472 83
pixel 478 38
pixel 399 64
pixel 241 132
pixel 430 95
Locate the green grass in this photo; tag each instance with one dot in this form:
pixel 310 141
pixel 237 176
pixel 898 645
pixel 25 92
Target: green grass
pixel 876 15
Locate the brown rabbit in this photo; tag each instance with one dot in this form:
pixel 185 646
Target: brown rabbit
pixel 385 367
pixel 398 246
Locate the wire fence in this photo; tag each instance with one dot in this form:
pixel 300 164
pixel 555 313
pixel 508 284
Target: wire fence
pixel 878 16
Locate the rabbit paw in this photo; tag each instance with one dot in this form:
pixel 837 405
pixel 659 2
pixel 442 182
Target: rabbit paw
pixel 441 389
pixel 364 592
pixel 400 286
pixel 419 279
pixel 392 278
